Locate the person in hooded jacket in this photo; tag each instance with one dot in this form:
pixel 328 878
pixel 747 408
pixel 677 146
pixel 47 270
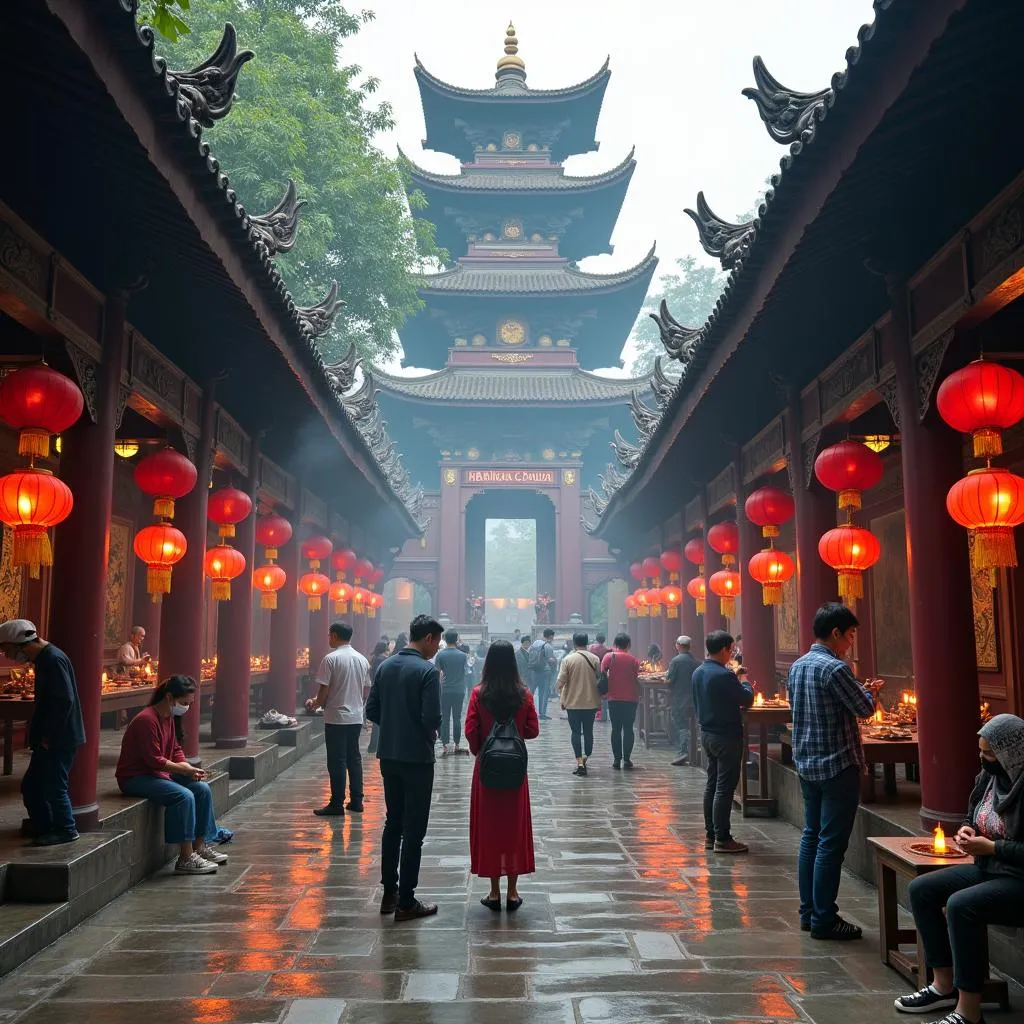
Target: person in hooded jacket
pixel 954 906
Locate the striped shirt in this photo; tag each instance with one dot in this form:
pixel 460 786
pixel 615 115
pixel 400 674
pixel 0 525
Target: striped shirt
pixel 827 701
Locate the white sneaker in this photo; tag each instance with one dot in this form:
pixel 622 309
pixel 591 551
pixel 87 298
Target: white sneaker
pixel 194 865
pixel 213 856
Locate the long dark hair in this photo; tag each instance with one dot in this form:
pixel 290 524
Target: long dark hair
pixel 176 686
pixel 501 690
pixel 380 651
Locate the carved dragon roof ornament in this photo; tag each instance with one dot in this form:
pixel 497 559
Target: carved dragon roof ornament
pixel 595 501
pixel 786 114
pixel 645 419
pixel 628 454
pixel 208 90
pixel 680 342
pixel 722 239
pixel 319 319
pixel 662 384
pixel 612 479
pixel 278 228
pixel 342 374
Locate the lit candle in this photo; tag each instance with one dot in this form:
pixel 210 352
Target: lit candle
pixel 938 840
pixel 759 700
pixel 879 715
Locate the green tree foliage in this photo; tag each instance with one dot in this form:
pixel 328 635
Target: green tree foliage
pixel 166 17
pixel 510 558
pixel 691 294
pixel 302 113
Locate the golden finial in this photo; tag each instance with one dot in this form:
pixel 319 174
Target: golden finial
pixel 511 58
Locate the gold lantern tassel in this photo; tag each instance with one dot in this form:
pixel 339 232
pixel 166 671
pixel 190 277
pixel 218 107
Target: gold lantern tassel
pixel 728 605
pixel 987 442
pixel 631 613
pixel 771 593
pixel 163 508
pixel 313 604
pixel 31 548
pixel 728 561
pixel 158 582
pixel 341 607
pixel 849 499
pixel 656 611
pixel 270 554
pixel 851 584
pixel 371 613
pixel 268 600
pixel 672 612
pixel 222 590
pixel 701 604
pixel 771 530
pixel 227 530
pixel 314 564
pixel 34 443
pixel 994 548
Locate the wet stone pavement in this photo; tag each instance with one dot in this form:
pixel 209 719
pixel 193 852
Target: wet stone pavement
pixel 627 919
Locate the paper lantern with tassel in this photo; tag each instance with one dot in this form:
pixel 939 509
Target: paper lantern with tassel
pixel 314 585
pixel 161 547
pixel 316 550
pixel 165 476
pixel 989 502
pixel 32 502
pixel 642 608
pixel 671 598
pixel 849 467
pixel 697 589
pixel 725 539
pixel 981 399
pixel 630 603
pixel 38 402
pixel 223 563
pixel 636 570
pixel 228 507
pixel 672 562
pixel 341 594
pixel 727 584
pixel 771 569
pixel 850 550
pixel 769 507
pixel 273 532
pixel 268 580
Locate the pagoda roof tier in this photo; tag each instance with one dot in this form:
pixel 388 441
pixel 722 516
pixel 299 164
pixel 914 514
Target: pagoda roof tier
pixel 580 209
pixel 459 119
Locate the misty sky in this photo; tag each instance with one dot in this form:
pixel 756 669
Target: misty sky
pixel 677 72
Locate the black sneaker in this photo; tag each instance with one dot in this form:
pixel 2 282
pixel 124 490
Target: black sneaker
pixel 616 765
pixel 841 931
pixel 389 902
pixel 330 811
pixel 581 770
pixel 55 839
pixel 927 1000
pixel 352 806
pixel 627 763
pixel 805 926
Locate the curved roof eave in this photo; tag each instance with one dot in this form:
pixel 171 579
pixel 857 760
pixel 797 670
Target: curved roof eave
pixel 598 80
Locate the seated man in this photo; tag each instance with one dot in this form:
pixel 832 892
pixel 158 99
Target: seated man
pixel 130 655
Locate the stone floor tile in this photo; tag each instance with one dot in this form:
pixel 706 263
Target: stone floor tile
pixel 315 1011
pixel 431 987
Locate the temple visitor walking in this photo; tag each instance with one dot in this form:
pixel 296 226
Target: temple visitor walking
pixel 719 699
pixel 577 691
pixel 152 765
pixel 500 826
pixel 827 701
pixel 599 649
pixel 623 671
pixel 680 684
pixel 542 662
pixel 340 681
pixel 55 733
pixel 405 701
pixel 522 659
pixel 453 664
pixel 954 906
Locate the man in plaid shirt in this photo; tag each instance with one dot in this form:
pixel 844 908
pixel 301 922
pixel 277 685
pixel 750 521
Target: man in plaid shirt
pixel 827 701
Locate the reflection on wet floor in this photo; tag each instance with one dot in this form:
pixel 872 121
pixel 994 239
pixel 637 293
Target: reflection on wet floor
pixel 628 919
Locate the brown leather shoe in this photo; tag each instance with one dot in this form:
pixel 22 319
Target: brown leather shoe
pixel 730 847
pixel 415 911
pixel 389 903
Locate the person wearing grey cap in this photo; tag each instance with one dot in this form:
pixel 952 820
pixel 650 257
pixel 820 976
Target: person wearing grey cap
pixel 680 680
pixel 56 732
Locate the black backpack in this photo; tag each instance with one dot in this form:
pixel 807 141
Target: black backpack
pixel 503 757
pixel 535 656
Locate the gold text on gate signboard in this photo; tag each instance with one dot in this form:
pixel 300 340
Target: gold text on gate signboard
pixel 510 477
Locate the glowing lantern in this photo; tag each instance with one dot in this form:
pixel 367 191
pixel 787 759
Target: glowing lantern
pixel 697 589
pixel 344 561
pixel 375 577
pixel 672 562
pixel 363 568
pixel 33 501
pixel 989 501
pixel 671 598
pixel 642 608
pixel 359 596
pixel 849 468
pixel 316 550
pixel 268 580
pixel 161 547
pixel 654 601
pixel 630 603
pixel 39 402
pixel 981 399
pixel 373 604
pixel 769 507
pixel 636 570
pixel 693 551
pixel 850 550
pixel 652 568
pixel 228 507
pixel 340 594
pixel 771 569
pixel 727 584
pixel 273 532
pixel 165 476
pixel 725 539
pixel 314 585
pixel 223 564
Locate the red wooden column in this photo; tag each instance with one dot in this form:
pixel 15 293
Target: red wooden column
pixel 941 613
pixel 450 541
pixel 758 618
pixel 181 618
pixel 80 554
pixel 234 634
pixel 569 547
pixel 690 622
pixel 319 624
pixel 284 634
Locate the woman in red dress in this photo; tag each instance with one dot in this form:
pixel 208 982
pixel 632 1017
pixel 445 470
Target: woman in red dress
pixel 500 827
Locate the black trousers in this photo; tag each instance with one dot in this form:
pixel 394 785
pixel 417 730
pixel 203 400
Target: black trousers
pixel 451 717
pixel 623 716
pixel 581 724
pixel 407 789
pixel 44 789
pixel 343 757
pixel 973 899
pixel 725 762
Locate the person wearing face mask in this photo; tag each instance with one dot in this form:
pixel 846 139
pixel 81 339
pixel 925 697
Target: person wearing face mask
pixel 56 732
pixel 152 765
pixel 954 906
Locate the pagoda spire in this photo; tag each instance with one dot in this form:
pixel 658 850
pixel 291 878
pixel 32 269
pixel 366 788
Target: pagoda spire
pixel 511 68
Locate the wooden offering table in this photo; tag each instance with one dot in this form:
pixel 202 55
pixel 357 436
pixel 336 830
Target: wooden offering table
pixel 895 860
pixel 758 720
pixel 887 753
pixel 655 707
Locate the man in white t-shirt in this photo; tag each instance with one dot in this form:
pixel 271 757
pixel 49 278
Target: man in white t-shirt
pixel 340 680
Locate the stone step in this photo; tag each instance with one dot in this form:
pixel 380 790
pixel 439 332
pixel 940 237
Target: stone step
pixel 57 874
pixel 26 928
pixel 239 790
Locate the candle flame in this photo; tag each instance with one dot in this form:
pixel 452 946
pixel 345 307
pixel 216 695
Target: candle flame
pixel 879 715
pixel 759 700
pixel 939 840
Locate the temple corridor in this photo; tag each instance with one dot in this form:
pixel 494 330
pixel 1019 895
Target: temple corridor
pixel 627 920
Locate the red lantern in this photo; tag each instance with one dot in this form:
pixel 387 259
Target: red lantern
pixel 340 594
pixel 269 579
pixel 641 602
pixel 694 551
pixel 363 568
pixel 227 507
pixel 165 476
pixel 161 547
pixel 344 560
pixel 359 596
pixel 652 568
pixel 636 570
pixel 630 603
pixel 981 399
pixel 672 562
pixel 317 550
pixel 376 576
pixel 314 585
pixel 725 539
pixel 654 601
pixel 769 507
pixel 990 502
pixel 849 468
pixel 850 550
pixel 223 564
pixel 273 532
pixel 373 604
pixel 697 589
pixel 727 584
pixel 32 502
pixel 671 598
pixel 39 402
pixel 771 569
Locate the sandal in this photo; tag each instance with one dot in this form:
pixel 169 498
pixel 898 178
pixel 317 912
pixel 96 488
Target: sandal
pixel 490 904
pixel 512 905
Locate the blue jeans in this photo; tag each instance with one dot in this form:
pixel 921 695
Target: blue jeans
pixel 830 809
pixel 188 806
pixel 541 687
pixel 44 790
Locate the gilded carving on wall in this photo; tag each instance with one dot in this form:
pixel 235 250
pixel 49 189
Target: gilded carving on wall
pixel 787 630
pixel 451 478
pixel 984 602
pixel 119 566
pixel 569 477
pixel 10 581
pixel 512 357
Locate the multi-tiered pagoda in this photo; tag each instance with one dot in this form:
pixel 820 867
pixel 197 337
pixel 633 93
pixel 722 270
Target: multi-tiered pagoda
pixel 515 416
